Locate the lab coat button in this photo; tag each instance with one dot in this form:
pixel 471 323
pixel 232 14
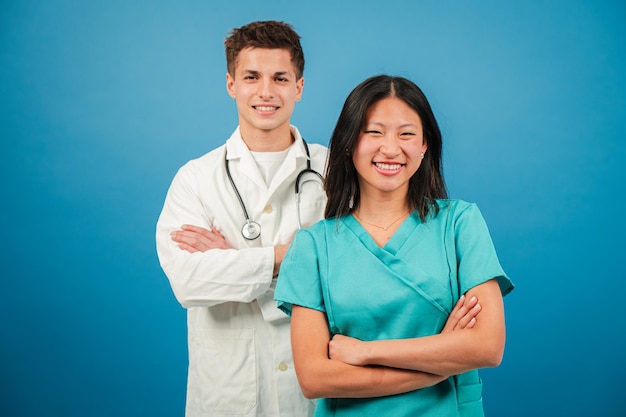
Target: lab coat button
pixel 267 209
pixel 282 366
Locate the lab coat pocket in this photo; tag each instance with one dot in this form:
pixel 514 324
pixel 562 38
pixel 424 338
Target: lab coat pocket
pixel 223 371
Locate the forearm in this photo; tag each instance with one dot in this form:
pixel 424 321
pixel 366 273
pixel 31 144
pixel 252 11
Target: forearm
pixel 321 377
pixel 215 276
pixel 447 353
pixel 327 378
pixel 443 354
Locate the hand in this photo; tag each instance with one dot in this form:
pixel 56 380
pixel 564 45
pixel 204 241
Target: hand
pixel 346 349
pixel 198 239
pixel 463 316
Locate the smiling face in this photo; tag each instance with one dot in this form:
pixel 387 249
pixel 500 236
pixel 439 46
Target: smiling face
pixel 266 89
pixel 389 149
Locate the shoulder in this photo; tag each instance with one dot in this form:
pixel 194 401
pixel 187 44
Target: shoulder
pixel 453 213
pixel 208 162
pixel 454 205
pixel 320 231
pixel 196 171
pixel 317 229
pixel 211 156
pixel 454 208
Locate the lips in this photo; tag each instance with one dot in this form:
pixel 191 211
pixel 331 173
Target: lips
pixel 388 167
pixel 265 108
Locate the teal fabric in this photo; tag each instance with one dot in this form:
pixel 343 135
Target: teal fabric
pixel 405 289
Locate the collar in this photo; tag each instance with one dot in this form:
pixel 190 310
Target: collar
pixel 236 148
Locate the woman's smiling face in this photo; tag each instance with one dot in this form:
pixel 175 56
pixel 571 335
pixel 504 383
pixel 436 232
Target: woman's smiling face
pixel 390 147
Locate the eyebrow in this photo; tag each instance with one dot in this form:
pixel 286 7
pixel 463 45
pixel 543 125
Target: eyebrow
pixel 402 126
pixel 255 72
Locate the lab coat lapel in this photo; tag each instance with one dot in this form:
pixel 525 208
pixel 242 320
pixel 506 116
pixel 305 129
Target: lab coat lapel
pixel 295 160
pixel 250 169
pixel 286 170
pixel 237 149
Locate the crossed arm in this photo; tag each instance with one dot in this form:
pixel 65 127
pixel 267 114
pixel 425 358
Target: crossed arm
pixel 198 239
pixel 346 367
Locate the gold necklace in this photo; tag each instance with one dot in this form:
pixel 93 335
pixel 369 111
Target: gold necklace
pixel 381 227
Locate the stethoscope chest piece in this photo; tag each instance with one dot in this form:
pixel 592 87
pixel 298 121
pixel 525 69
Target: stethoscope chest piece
pixel 251 230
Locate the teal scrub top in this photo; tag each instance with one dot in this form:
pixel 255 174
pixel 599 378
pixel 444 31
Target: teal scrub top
pixel 405 289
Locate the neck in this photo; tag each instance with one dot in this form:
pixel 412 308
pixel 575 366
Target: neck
pixel 378 205
pixel 274 140
pixel 381 212
pixel 384 226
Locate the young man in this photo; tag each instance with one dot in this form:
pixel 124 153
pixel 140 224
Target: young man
pixel 227 222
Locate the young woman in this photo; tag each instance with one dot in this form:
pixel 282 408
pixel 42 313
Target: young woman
pixel 371 288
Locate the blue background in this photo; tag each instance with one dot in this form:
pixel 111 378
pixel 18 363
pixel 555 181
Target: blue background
pixel 101 102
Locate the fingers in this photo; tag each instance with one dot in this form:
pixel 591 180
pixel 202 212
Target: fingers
pixel 216 233
pixel 198 239
pixel 456 311
pixel 190 238
pixel 187 248
pixel 197 230
pixel 211 234
pixel 462 307
pixel 463 315
pixel 469 318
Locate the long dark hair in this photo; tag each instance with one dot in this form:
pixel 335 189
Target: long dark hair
pixel 342 186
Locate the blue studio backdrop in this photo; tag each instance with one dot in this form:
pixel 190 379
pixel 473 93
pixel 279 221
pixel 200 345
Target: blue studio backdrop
pixel 102 101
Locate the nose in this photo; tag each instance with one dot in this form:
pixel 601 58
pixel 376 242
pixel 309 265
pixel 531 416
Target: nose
pixel 390 146
pixel 265 89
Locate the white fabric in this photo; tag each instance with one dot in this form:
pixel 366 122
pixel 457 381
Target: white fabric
pixel 240 360
pixel 269 163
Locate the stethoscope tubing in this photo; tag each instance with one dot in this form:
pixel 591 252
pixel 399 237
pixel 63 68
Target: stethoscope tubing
pixel 252 230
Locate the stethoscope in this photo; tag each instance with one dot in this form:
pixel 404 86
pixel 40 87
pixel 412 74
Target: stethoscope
pixel 251 229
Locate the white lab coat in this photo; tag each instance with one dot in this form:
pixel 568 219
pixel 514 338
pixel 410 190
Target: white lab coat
pixel 240 361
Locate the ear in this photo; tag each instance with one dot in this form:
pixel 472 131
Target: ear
pixel 230 85
pixel 299 88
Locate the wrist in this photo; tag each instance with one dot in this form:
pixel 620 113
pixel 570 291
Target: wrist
pixel 366 350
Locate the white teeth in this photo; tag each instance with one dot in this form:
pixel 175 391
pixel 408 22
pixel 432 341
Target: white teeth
pixel 266 108
pixel 388 166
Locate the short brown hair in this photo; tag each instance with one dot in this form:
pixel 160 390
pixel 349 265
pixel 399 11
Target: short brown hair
pixel 269 34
